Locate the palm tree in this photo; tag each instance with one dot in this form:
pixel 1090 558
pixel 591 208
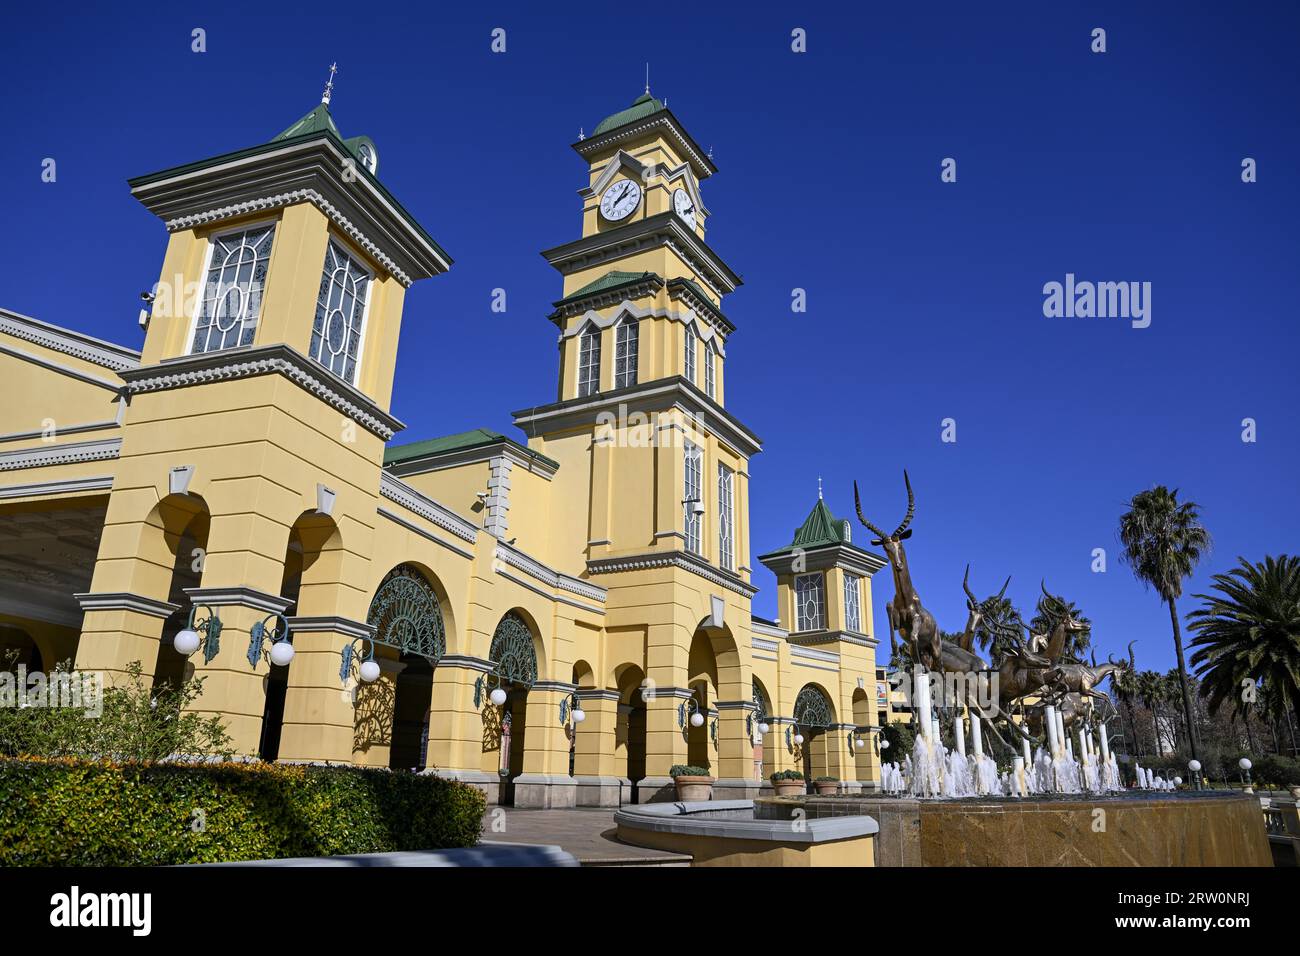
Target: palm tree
pixel 1151 691
pixel 1248 634
pixel 1124 684
pixel 1000 628
pixel 1047 614
pixel 1163 542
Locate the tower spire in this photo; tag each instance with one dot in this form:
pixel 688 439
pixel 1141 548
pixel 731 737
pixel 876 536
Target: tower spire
pixel 329 85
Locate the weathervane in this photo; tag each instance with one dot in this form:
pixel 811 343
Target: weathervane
pixel 329 85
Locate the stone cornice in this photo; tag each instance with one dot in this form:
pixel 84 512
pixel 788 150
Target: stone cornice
pixel 403 494
pixel 283 360
pixel 515 558
pixel 125 601
pixel 332 623
pixel 525 458
pixel 314 168
pixel 466 662
pixel 85 347
pixel 663 229
pixel 103 449
pixel 239 595
pixel 657 395
pixel 848 556
pixel 673 559
pixel 648 285
pixel 707 332
pixel 680 289
pixel 662 120
pixel 808 638
pixel 70 486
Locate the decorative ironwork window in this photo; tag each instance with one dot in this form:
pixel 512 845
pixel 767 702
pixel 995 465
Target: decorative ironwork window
pixel 694 462
pixel 513 651
pixel 852 603
pixel 589 362
pixel 809 602
pixel 812 708
pixel 760 703
pixel 726 542
pixel 406 615
pixel 340 313
pixel 232 293
pixel 690 355
pixel 710 382
pixel 625 353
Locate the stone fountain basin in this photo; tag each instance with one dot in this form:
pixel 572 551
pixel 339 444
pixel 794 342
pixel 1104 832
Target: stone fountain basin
pixel 1142 828
pixel 729 833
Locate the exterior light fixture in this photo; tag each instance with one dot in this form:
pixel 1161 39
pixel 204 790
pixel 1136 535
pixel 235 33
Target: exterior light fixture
pixel 188 640
pixel 792 737
pixel 278 631
pixel 1195 767
pixel 1178 781
pixel 569 707
pixel 367 671
pixel 694 505
pixel 1245 765
pixel 497 695
pixel 692 707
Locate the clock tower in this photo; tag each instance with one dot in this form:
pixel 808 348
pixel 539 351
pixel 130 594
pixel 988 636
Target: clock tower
pixel 642 435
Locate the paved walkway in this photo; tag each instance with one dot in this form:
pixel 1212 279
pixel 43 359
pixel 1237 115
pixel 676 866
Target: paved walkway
pixel 587 833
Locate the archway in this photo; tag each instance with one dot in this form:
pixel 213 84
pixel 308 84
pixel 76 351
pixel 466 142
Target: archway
pixel 513 653
pixel 411 638
pixel 702 679
pixel 630 729
pixel 814 715
pixel 764 759
pixel 583 679
pixel 185 523
pixel 18 647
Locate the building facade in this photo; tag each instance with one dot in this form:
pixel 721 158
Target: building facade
pixel 236 479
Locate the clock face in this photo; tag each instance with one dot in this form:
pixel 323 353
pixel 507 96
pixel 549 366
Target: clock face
pixel 620 200
pixel 684 206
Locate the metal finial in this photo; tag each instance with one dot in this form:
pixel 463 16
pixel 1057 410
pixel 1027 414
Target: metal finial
pixel 819 487
pixel 581 134
pixel 329 85
pixel 647 79
pixel 710 152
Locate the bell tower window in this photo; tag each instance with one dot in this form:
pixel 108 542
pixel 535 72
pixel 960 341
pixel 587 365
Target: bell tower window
pixel 693 500
pixel 589 362
pixel 625 353
pixel 726 539
pixel 710 380
pixel 232 291
pixel 690 356
pixel 809 602
pixel 852 602
pixel 340 313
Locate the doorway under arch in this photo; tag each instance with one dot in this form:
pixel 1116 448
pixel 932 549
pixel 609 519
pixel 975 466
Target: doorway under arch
pixel 814 715
pixel 513 653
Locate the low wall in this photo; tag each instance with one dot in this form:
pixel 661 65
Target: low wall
pixel 1184 829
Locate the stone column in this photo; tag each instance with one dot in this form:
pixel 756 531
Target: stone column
pixel 319 718
pixel 456 723
pixel 233 689
pixel 665 742
pixel 735 774
pixel 545 781
pixel 118 628
pixel 595 767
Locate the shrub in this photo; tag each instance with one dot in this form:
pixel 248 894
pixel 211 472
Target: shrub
pixel 901 740
pixel 825 779
pixel 97 813
pixel 787 775
pixel 687 770
pixel 1276 770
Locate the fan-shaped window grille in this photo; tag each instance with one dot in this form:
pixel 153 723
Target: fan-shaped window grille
pixel 513 652
pixel 812 709
pixel 406 615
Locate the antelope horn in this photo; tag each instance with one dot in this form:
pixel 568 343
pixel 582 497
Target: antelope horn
pixel 911 505
pixel 965 584
pixel 1131 662
pixel 857 503
pixel 1004 587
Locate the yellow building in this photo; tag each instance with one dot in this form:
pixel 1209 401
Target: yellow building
pixel 238 469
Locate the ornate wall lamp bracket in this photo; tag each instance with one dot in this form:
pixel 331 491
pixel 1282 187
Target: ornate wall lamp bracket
pixel 278 631
pixel 497 695
pixel 688 711
pixel 367 670
pixel 187 641
pixel 792 737
pixel 570 706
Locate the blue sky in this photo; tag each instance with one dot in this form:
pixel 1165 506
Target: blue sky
pixel 924 298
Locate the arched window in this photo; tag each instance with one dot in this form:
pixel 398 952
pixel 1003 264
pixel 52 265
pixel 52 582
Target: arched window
pixel 406 615
pixel 513 651
pixel 812 708
pixel 340 313
pixel 690 355
pixel 232 293
pixel 710 373
pixel 589 361
pixel 625 353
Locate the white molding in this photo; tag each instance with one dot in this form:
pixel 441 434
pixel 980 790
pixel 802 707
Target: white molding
pixel 705 331
pixel 239 595
pixel 515 558
pixel 66 487
pixel 764 644
pixel 103 449
pixel 396 490
pixel 636 130
pixel 672 559
pixel 332 623
pixel 125 601
pixel 293 197
pixel 416 529
pixel 85 347
pixel 812 654
pixel 60 369
pixel 228 364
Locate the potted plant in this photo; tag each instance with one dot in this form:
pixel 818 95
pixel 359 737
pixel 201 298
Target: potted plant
pixel 826 785
pixel 693 783
pixel 788 783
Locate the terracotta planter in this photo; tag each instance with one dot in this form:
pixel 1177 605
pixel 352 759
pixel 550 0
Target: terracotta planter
pixel 789 788
pixel 827 787
pixel 694 789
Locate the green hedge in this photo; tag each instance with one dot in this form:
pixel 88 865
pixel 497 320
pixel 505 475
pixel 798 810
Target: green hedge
pixel 68 812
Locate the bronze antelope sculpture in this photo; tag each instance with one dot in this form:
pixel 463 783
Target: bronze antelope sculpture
pixel 906 614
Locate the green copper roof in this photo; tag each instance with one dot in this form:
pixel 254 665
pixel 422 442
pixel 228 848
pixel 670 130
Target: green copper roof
pixel 821 528
pixel 318 120
pixel 610 280
pixel 458 442
pixel 643 106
